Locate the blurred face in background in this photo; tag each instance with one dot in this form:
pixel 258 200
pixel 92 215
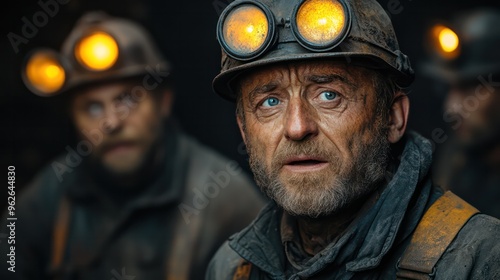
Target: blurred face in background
pixel 475 112
pixel 123 121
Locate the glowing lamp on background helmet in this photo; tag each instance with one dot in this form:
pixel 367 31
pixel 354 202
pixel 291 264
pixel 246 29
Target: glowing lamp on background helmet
pixel 44 73
pixel 446 41
pixel 245 31
pixel 321 24
pixel 97 51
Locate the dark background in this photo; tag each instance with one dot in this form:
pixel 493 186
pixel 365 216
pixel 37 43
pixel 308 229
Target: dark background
pixel 33 131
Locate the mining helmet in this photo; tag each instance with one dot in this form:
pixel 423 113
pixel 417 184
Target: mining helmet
pixel 262 32
pixel 465 47
pixel 99 48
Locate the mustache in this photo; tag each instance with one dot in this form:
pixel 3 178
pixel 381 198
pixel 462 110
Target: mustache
pixel 309 148
pixel 111 143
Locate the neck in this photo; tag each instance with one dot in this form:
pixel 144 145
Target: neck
pixel 317 233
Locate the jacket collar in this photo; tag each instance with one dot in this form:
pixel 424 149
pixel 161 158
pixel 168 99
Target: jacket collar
pixel 369 237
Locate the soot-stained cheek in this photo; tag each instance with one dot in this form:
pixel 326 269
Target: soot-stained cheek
pixel 351 126
pixel 353 140
pixel 362 126
pixel 264 136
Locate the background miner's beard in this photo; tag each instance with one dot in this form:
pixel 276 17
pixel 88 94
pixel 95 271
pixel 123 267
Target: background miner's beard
pixel 324 192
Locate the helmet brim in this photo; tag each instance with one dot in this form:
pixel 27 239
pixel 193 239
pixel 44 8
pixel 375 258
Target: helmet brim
pixel 223 82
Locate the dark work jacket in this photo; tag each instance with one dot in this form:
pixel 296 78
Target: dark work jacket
pixel 372 244
pixel 180 219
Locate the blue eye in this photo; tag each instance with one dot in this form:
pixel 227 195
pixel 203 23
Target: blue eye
pixel 95 110
pixel 270 102
pixel 328 95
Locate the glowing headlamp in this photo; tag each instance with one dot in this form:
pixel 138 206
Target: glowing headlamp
pixel 44 73
pixel 320 24
pixel 445 40
pixel 247 29
pixel 97 51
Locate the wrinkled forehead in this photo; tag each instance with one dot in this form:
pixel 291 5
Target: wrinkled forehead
pixel 303 71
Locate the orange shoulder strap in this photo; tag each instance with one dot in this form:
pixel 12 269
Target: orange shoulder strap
pixel 437 229
pixel 243 270
pixel 60 236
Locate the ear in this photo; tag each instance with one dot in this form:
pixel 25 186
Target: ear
pixel 240 126
pixel 398 117
pixel 166 101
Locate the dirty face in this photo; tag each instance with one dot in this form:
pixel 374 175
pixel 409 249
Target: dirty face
pixel 123 123
pixel 314 137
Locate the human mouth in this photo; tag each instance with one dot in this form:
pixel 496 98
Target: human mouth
pixel 305 164
pixel 119 148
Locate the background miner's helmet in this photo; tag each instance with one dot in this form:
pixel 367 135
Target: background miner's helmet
pixel 464 47
pixel 257 33
pixel 99 48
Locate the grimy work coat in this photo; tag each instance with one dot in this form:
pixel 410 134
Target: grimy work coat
pixel 168 231
pixel 373 243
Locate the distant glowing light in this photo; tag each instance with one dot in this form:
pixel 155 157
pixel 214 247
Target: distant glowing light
pixel 448 40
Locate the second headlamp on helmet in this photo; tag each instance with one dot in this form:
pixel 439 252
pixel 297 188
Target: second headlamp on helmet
pixel 247 29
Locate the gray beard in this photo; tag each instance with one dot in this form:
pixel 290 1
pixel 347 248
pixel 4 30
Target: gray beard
pixel 313 196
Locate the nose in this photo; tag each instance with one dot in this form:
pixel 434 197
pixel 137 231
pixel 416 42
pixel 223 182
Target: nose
pixel 112 122
pixel 299 121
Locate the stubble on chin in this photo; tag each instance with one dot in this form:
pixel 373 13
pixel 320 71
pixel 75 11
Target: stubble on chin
pixel 326 191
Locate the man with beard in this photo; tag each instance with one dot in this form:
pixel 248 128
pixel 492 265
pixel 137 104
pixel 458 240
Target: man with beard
pixel 320 102
pixel 468 161
pixel 135 197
